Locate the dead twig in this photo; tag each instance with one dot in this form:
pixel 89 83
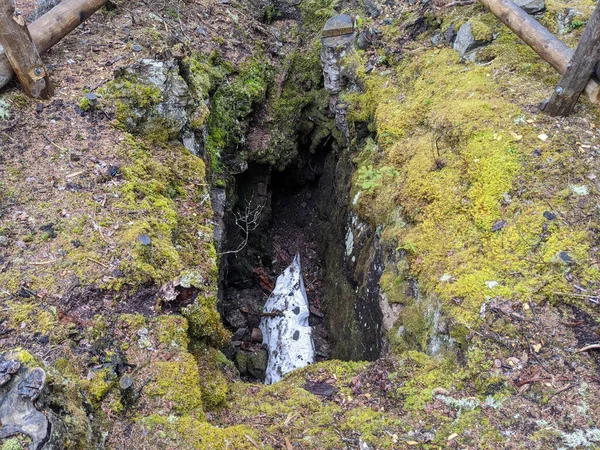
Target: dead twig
pixel 588 347
pixel 591 298
pixel 540 380
pixel 252 441
pixel 43 263
pixel 97 262
pixel 53 143
pixel 563 389
pixel 456 3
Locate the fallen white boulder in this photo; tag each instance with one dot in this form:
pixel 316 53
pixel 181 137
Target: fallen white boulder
pixel 285 327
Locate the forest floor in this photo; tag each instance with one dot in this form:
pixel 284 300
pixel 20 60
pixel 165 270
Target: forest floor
pixel 523 380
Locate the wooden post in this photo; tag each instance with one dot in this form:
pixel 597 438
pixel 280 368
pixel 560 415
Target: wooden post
pixel 22 53
pixel 549 47
pixel 49 29
pixel 579 71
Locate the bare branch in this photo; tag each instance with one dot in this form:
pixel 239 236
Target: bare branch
pixel 247 221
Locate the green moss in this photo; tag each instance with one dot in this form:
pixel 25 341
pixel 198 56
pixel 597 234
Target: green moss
pixel 481 31
pixel 232 103
pixel 177 382
pixel 205 322
pixel 172 331
pixel 316 12
pixel 298 109
pixel 154 185
pixel 189 432
pixel 101 383
pixel 134 107
pixel 25 358
pixel 12 444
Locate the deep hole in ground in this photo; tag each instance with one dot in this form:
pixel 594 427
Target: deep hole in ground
pixel 274 215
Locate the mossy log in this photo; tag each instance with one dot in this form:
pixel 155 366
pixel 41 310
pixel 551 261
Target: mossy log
pixel 549 47
pixel 49 29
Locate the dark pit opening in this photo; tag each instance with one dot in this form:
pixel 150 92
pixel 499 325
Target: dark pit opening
pixel 274 215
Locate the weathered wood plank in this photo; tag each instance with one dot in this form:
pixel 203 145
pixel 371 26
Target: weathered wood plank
pixel 544 43
pixel 579 70
pixel 49 29
pixel 22 53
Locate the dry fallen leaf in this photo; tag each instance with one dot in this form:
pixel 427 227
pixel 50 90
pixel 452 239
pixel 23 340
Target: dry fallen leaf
pixel 288 444
pixel 452 437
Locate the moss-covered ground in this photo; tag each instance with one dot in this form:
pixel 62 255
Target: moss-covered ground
pixel 490 207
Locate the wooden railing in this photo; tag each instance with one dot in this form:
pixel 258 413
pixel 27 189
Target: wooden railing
pixel 22 45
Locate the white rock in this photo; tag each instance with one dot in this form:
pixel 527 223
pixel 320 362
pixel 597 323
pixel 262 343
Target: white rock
pixel 288 335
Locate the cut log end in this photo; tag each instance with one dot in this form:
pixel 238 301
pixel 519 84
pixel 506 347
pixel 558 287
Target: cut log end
pixel 592 91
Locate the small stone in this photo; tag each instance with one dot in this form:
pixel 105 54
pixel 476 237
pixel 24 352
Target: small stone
pixel 257 363
pixel 565 257
pixel 531 6
pixel 498 225
pixel 10 367
pixel 39 108
pixel 438 38
pixel 113 170
pixel 256 335
pixel 318 388
pixel 549 215
pixel 465 40
pixel 126 382
pixel 91 97
pixel 565 20
pixel 201 31
pixel 144 239
pixel 371 9
pixel 450 34
pixel 44 339
pixel 362 42
pixel 543 137
pixel 136 48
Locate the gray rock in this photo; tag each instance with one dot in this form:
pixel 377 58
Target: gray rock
pixel 465 41
pixel 257 364
pixel 371 9
pixel 32 384
pixel 176 105
pixel 362 42
pixel 18 413
pixel 42 7
pixel 450 34
pixel 565 20
pixel 531 6
pixel 333 50
pixel 438 38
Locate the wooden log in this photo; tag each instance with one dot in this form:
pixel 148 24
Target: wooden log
pixel 544 43
pixel 579 70
pixel 22 53
pixel 52 27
